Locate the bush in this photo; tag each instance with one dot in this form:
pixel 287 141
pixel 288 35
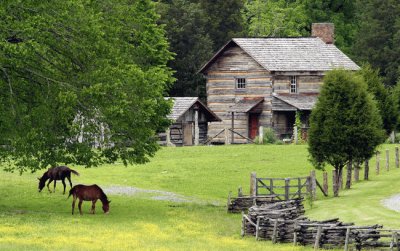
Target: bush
pixel 269 137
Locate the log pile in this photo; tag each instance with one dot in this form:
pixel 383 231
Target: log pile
pixel 284 222
pixel 243 203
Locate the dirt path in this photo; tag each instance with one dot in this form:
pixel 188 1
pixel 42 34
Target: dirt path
pixel 154 194
pixel 392 203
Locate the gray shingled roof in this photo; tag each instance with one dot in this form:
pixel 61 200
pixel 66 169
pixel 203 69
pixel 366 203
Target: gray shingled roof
pixel 292 54
pixel 295 54
pixel 299 101
pixel 245 105
pixel 182 104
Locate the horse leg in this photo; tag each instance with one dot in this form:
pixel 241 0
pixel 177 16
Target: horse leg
pixel 80 206
pixel 73 204
pixel 50 180
pixel 54 186
pixel 69 179
pixel 63 182
pixel 93 206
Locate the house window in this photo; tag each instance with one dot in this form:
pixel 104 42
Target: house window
pixel 240 83
pixel 293 84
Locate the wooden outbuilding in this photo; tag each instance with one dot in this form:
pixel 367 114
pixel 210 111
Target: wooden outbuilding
pixel 253 82
pixel 190 119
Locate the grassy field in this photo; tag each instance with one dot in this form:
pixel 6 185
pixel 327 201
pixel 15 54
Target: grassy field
pixel 41 221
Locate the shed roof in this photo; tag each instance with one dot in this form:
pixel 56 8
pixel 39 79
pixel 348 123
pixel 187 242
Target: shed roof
pixel 245 105
pixel 183 104
pixel 298 101
pixel 291 54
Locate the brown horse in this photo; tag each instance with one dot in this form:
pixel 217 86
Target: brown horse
pixel 56 173
pixel 89 193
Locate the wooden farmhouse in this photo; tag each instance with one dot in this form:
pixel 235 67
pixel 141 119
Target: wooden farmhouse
pixel 253 82
pixel 190 119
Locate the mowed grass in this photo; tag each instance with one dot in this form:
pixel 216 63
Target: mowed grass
pixel 41 221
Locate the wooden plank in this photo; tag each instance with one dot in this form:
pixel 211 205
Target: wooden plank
pixel 318 238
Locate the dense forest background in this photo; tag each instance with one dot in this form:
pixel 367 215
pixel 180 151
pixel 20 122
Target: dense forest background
pixel 368 31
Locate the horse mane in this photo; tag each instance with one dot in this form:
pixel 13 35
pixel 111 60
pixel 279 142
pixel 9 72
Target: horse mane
pixel 103 196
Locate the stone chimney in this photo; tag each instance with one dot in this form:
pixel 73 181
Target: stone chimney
pixel 325 31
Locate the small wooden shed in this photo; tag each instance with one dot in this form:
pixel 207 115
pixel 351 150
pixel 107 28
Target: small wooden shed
pixel 190 122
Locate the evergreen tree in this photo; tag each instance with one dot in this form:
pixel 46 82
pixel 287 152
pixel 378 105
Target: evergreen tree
pixel 345 124
pixel 378 37
pixel 72 71
pixel 385 102
pixel 225 20
pixel 186 26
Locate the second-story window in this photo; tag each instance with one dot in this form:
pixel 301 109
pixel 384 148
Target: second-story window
pixel 293 84
pixel 240 83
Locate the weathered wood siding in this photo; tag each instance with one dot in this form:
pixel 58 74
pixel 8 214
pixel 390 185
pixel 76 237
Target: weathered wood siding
pixel 222 93
pixel 305 83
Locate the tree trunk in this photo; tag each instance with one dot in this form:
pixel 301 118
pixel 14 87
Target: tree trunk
pixel 348 178
pixel 357 171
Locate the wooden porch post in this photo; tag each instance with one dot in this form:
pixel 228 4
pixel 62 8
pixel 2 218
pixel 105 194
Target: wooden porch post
pixel 233 127
pixel 196 126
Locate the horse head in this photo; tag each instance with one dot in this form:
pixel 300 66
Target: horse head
pixel 106 207
pixel 42 183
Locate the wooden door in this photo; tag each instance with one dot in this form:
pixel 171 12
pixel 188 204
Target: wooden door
pixel 187 134
pixel 253 125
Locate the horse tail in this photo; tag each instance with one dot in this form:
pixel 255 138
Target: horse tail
pixel 74 172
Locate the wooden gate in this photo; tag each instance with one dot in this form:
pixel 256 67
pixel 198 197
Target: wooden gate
pixel 283 188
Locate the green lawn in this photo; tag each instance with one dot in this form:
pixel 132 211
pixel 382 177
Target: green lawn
pixel 40 221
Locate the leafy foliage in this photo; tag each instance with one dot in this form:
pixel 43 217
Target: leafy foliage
pixel 277 18
pixel 72 71
pixel 345 124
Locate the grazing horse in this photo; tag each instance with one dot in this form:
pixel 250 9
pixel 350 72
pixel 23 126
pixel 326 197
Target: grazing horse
pixel 56 173
pixel 89 193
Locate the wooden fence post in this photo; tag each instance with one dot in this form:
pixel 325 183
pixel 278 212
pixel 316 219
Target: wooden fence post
pixel 261 135
pixel 240 192
pixel 226 136
pixel 348 177
pixel 253 184
pixel 387 159
pixel 313 185
pixel 287 188
pixel 325 182
pixel 366 169
pixel 377 162
pixel 397 156
pixel 346 242
pixel 318 238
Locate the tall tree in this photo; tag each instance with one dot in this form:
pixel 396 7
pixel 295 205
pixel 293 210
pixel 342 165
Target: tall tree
pixel 340 12
pixel 345 124
pixel 186 25
pixel 378 37
pixel 75 72
pixel 276 18
pixel 385 101
pixel 225 20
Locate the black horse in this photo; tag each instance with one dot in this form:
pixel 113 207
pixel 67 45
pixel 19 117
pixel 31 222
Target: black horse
pixel 89 193
pixel 56 173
